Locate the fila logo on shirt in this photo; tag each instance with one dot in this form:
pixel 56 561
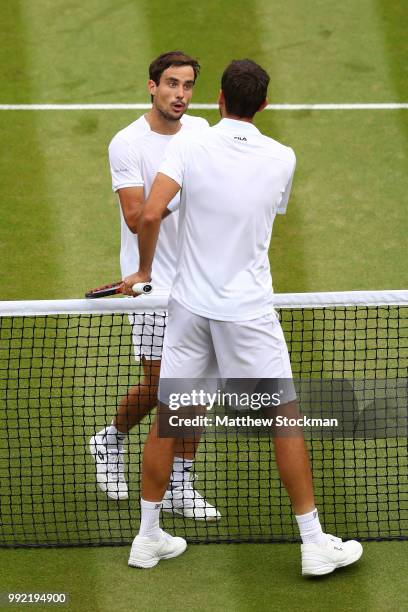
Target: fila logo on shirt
pixel 240 138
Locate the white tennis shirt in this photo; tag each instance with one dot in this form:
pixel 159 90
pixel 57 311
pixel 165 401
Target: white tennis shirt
pixel 234 180
pixel 135 154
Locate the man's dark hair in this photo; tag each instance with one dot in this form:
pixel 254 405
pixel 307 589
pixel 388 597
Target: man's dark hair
pixel 171 58
pixel 245 86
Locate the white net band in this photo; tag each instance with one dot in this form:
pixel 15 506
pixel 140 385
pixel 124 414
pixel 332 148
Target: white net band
pixel 157 301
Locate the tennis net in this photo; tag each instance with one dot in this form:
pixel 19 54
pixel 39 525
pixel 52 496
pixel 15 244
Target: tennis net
pixel 65 365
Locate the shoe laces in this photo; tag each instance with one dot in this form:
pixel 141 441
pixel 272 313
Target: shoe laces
pixel 187 484
pixel 116 462
pixel 187 491
pixel 334 539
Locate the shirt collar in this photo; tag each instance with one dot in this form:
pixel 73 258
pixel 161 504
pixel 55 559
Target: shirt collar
pixel 234 124
pixel 149 129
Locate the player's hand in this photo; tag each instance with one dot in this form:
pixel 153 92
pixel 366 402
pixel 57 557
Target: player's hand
pixel 132 280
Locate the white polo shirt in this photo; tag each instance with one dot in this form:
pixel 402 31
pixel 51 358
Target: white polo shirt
pixel 135 154
pixel 234 180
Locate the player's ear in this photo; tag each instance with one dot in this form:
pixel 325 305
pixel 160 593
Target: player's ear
pixel 263 105
pixel 221 98
pixel 151 86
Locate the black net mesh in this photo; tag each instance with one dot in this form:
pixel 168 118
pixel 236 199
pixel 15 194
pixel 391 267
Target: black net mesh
pixel 62 376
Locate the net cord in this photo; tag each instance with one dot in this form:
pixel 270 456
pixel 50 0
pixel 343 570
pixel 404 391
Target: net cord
pixel 157 301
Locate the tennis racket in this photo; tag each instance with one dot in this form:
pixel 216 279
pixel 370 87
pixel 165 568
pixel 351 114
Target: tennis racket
pixel 114 289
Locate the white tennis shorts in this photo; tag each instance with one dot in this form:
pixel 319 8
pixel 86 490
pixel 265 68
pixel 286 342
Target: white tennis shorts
pixel 148 335
pixel 197 347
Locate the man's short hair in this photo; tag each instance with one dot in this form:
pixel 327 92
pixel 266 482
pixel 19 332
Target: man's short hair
pixel 244 84
pixel 171 58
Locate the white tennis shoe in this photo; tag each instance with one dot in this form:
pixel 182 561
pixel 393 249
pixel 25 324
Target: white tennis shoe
pixel 318 560
pixel 110 467
pixel 186 501
pixel 147 552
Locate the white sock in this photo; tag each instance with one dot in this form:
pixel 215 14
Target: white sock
pixel 310 529
pixel 150 517
pixel 114 437
pixel 181 471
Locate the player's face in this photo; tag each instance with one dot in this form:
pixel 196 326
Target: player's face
pixel 172 95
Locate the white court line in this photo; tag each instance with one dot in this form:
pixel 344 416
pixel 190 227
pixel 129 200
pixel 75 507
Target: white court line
pixel 283 107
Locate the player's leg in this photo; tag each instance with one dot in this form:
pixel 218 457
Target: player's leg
pixel 257 350
pixel 184 356
pixel 108 448
pixel 322 553
pixel 138 402
pixel 140 399
pixel 294 466
pixel 152 543
pixel 108 445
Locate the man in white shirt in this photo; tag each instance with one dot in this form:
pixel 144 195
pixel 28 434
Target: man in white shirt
pixel 135 154
pixel 234 180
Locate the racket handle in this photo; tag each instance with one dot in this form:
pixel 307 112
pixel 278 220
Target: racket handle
pixel 104 291
pixel 142 288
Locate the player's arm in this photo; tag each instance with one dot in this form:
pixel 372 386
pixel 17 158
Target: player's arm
pixel 162 192
pixel 127 180
pixel 131 202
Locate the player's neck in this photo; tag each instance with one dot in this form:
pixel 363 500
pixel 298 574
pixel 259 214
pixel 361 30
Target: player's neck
pixel 160 124
pixel 225 115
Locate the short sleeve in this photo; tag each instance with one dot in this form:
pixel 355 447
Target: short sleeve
pixel 285 192
pixel 201 123
pixel 174 204
pixel 124 165
pixel 174 161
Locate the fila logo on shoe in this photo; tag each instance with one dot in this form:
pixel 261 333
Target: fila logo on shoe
pixel 240 138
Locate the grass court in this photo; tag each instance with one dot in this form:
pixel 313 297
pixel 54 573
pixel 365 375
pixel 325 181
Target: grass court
pixel 346 229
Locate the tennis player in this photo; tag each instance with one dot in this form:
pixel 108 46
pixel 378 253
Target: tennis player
pixel 234 180
pixel 135 154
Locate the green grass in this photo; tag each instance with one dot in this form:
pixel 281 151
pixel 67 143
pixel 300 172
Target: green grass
pixel 345 229
pixel 235 578
pixel 350 181
pixel 63 200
